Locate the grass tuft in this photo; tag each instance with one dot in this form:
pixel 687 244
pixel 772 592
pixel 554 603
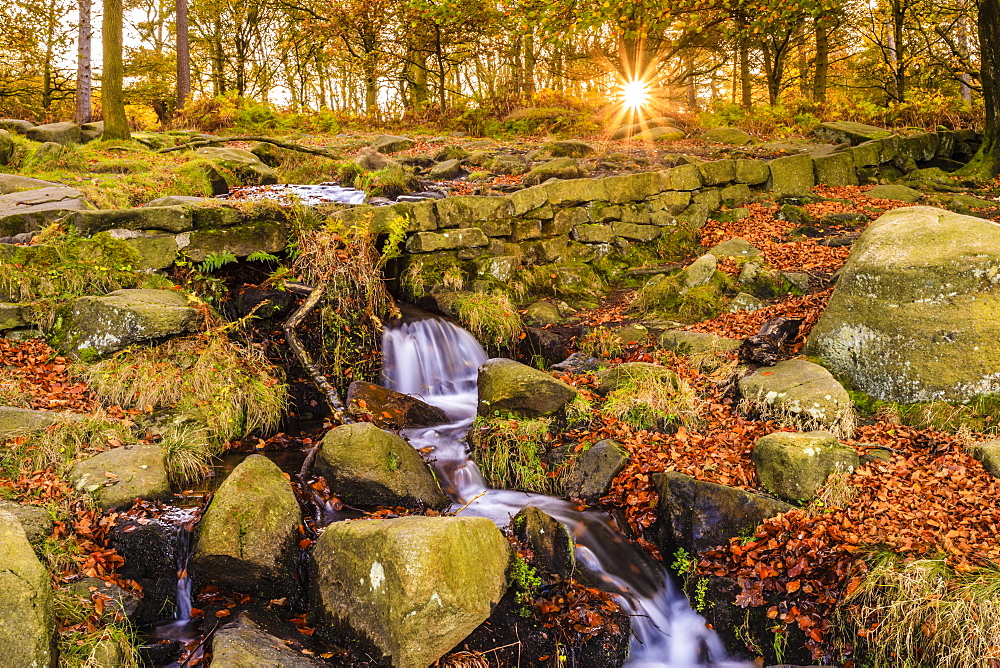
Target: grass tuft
pixel 490 318
pixel 189 453
pixel 57 447
pixel 647 401
pixel 81 645
pixel 924 614
pixel 509 452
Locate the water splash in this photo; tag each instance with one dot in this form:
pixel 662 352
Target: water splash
pixel 307 195
pixel 439 361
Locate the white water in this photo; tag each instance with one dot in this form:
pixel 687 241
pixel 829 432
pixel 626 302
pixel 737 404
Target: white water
pixel 439 361
pixel 307 195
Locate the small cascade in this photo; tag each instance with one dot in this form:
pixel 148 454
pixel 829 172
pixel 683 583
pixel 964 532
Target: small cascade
pixel 184 521
pixel 439 361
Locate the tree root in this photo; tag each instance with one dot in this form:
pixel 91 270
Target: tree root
pixel 198 143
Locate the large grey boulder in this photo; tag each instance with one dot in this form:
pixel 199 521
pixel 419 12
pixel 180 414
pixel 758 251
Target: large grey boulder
pixel 509 387
pixel 392 144
pixel 803 391
pixel 913 316
pixel 242 643
pixel 247 167
pixel 446 170
pixel 849 132
pixel 732 136
pixel 61 133
pixel 247 538
pixel 12 183
pixel 367 466
pixel 14 420
pixel 792 174
pixel 413 587
pixel 697 515
pixel 30 210
pixel 96 326
pixel 794 465
pixel 27 620
pixel 987 454
pixel 590 475
pixel 91 131
pixel 164 218
pixel 35 520
pixel 119 476
pixel 15 125
pixel 372 160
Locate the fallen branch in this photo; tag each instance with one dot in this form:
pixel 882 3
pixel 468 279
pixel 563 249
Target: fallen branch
pixel 319 380
pixel 198 143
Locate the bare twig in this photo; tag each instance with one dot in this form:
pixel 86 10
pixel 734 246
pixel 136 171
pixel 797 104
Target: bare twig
pixel 198 143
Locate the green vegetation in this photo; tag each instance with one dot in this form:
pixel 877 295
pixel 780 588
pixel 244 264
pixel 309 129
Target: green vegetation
pixel 83 646
pixel 509 452
pixel 668 297
pixel 922 613
pixel 646 401
pixel 189 452
pixel 491 318
pixel 58 447
pixel 227 390
pixel 981 415
pixel 602 343
pixel 526 581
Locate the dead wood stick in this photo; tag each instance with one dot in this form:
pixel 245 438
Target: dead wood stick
pixel 198 143
pixel 319 380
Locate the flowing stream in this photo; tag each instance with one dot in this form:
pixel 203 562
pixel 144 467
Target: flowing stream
pixel 439 362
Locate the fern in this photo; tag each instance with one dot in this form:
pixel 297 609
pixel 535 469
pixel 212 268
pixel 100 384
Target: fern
pixel 215 261
pixel 262 256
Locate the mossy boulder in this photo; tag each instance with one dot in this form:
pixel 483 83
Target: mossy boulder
pixel 915 315
pixel 64 134
pixel 165 218
pixel 6 147
pixel 548 539
pixel 429 242
pixel 506 386
pixel 446 170
pixel 14 420
pixel 692 343
pixel 118 476
pixel 569 148
pixel 751 172
pixel 411 588
pixel 794 465
pixel 96 326
pixel 269 236
pixel 557 168
pixel 735 247
pixel 27 620
pixel 791 174
pixel 632 373
pixel 392 143
pixel 368 466
pixel 835 169
pixel 731 136
pixel 31 210
pixel 801 391
pixel 697 515
pixel 849 132
pixel 35 520
pixel 246 540
pixel 590 475
pixel 243 643
pixel 987 453
pixel 247 167
pixel 542 313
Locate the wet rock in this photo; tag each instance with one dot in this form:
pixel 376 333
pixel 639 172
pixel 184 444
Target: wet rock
pixel 691 343
pixel 392 144
pixel 13 420
pixel 261 302
pixel 794 465
pixel 771 343
pixel 96 326
pixel 506 386
pixel 247 167
pixel 542 313
pixel 803 391
pixel 589 477
pixel 245 644
pixel 557 168
pixel 35 520
pixel 27 621
pixel 6 147
pixel 119 604
pixel 246 540
pixel 31 210
pixel 987 453
pixel 389 409
pixel 412 587
pixel 631 373
pixel 578 363
pixel 697 515
pixel 728 136
pixel 63 134
pixel 911 318
pixel 149 548
pixel 548 539
pixel 368 466
pixel 446 171
pixel 119 476
pixel 551 345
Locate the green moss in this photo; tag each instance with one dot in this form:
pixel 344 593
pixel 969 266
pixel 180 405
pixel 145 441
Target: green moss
pixel 433 272
pixel 669 298
pixel 980 415
pixel 509 452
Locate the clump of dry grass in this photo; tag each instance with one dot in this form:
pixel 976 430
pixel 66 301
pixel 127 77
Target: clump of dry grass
pixel 653 401
pixel 509 452
pixel 491 318
pixel 923 613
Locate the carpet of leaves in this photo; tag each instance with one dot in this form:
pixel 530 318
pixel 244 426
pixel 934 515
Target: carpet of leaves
pixel 43 377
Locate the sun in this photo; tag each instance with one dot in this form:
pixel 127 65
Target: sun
pixel 635 94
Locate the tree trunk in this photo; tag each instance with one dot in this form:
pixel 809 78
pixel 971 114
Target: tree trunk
pixel 183 55
pixel 83 71
pixel 112 98
pixel 822 62
pixel 986 163
pixel 745 81
pixel 528 88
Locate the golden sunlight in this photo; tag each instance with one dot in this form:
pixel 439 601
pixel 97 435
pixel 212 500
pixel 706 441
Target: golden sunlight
pixel 635 94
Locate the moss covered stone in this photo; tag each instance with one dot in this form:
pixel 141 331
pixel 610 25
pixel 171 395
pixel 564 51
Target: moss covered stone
pixel 98 326
pixel 733 136
pixel 427 242
pixel 246 540
pixel 684 177
pixel 247 167
pixel 590 475
pixel 751 172
pixel 243 240
pixel 506 386
pixel 13 420
pixel 27 620
pixel 370 467
pixel 835 169
pixel 802 391
pixel 791 174
pixel 794 465
pixel 35 520
pixel 557 168
pixel 548 539
pixel 691 343
pixel 165 218
pixel 412 587
pixel 717 172
pixel 245 644
pixel 915 315
pixel 118 476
